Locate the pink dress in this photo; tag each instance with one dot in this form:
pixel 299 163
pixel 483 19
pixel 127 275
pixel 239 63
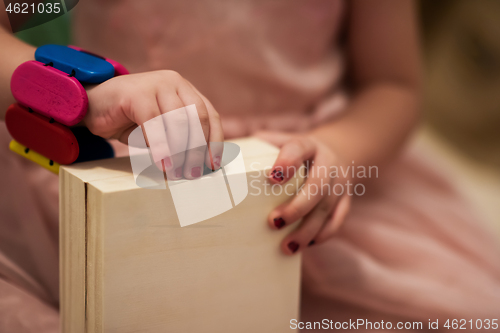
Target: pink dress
pixel 410 250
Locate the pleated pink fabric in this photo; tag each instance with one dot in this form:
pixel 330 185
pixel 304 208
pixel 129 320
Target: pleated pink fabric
pixel 411 248
pixel 29 266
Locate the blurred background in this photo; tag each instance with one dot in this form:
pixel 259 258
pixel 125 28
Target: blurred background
pixel 461 128
pixel 461 123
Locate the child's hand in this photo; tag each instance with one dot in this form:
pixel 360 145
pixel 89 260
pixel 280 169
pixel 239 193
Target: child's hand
pixel 119 105
pixel 316 203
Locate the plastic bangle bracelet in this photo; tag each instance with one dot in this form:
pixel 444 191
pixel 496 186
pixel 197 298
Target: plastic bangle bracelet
pixel 52 141
pixel 34 156
pixel 48 138
pixel 92 147
pixel 86 67
pixel 52 92
pixel 119 68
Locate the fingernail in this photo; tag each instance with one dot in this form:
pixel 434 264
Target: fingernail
pixel 293 246
pixel 217 162
pixel 311 243
pixel 279 222
pixel 167 162
pixel 277 175
pixel 196 172
pixel 178 172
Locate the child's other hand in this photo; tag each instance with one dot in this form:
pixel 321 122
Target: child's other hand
pixel 119 105
pixel 321 210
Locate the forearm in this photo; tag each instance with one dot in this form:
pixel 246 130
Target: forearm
pixel 13 52
pixel 376 124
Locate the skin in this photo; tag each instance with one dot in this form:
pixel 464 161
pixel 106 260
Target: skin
pixel 385 71
pixel 385 79
pixel 119 105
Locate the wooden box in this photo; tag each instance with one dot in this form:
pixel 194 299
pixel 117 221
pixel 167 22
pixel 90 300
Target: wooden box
pixel 128 266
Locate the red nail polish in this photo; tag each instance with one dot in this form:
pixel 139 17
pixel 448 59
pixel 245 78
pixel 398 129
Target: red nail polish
pixel 167 162
pixel 178 172
pixel 196 172
pixel 279 222
pixel 277 175
pixel 216 162
pixel 293 246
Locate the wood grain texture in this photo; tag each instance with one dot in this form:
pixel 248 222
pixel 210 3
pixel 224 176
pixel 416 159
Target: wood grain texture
pixel 128 266
pixel 72 251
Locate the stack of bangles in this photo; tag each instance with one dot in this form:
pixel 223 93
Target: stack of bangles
pixel 50 98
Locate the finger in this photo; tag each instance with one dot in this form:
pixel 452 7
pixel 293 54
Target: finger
pixel 147 114
pixel 290 158
pixel 310 226
pixel 216 137
pixel 176 124
pixel 314 189
pixel 213 157
pixel 199 131
pixel 189 96
pixel 332 225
